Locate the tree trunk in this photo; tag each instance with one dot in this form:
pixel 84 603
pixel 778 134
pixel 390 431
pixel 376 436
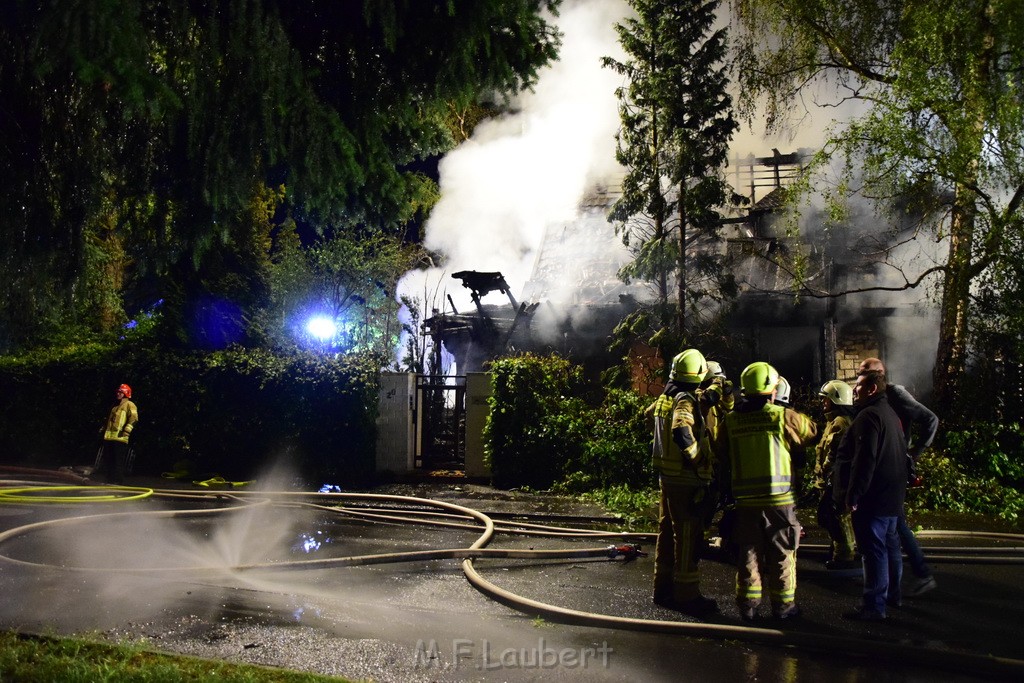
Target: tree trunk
pixel 681 280
pixel 662 283
pixel 951 354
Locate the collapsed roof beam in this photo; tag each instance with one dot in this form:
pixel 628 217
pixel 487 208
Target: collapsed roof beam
pixel 480 284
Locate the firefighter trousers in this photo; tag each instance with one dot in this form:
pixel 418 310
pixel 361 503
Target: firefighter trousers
pixel 112 462
pixel 680 538
pixel 767 538
pixel 839 526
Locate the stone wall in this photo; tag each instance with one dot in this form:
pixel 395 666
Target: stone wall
pixel 854 344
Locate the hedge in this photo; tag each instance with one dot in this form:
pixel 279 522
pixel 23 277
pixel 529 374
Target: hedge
pixel 233 413
pixel 548 428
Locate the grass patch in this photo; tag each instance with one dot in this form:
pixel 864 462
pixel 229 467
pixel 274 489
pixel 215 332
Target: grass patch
pixel 48 659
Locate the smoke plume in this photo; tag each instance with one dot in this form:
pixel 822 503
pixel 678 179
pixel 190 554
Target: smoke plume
pixel 528 170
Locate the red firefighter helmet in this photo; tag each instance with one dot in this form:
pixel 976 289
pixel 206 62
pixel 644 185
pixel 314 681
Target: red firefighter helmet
pixel 126 390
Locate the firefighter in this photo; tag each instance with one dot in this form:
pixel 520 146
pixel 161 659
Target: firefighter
pixel 116 431
pixel 685 471
pixel 783 393
pixel 837 402
pixel 717 397
pixel 754 445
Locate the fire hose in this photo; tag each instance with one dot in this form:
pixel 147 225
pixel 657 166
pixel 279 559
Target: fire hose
pixel 902 653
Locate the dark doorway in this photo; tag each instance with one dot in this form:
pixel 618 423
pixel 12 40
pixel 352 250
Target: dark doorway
pixel 440 423
pixel 795 352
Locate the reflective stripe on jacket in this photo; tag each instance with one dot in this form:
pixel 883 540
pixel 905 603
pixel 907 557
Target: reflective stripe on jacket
pixel 121 421
pixel 678 429
pixel 759 456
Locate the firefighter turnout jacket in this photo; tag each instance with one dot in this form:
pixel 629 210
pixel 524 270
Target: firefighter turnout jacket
pixel 825 457
pixel 678 453
pixel 755 441
pixel 121 421
pixel 717 399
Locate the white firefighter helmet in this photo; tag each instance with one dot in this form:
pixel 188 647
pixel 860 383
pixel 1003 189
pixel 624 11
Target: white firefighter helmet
pixel 837 391
pixel 782 391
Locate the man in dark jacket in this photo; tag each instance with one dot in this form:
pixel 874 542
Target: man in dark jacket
pixel 877 487
pixel 919 428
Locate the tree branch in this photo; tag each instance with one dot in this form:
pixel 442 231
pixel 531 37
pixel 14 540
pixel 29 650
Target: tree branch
pixel 804 290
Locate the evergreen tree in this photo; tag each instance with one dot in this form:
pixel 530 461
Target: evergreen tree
pixel 677 123
pixel 137 136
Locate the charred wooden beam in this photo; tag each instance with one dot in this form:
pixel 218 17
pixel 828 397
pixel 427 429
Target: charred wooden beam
pixel 480 284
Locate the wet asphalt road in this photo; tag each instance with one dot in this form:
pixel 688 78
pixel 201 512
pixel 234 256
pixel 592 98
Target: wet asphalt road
pixel 423 621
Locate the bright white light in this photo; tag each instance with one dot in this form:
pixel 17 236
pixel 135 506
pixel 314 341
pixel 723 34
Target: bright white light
pixel 321 328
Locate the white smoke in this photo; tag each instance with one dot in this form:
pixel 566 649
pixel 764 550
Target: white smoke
pixel 523 173
pixel 808 128
pixel 526 171
pixel 910 335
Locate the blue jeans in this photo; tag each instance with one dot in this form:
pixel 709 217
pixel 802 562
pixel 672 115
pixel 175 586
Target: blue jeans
pixel 879 545
pixel 909 542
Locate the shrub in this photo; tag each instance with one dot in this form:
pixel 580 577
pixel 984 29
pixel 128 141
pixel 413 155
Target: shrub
pixel 616 448
pixel 536 422
pixel 639 507
pixel 949 486
pixel 541 432
pixel 989 449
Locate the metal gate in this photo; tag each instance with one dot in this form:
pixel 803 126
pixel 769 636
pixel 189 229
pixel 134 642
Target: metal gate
pixel 440 423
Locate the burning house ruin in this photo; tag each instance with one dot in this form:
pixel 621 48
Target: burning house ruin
pixel 818 333
pixel 574 298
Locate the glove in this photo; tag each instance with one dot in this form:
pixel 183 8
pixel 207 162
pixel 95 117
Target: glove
pixel 711 397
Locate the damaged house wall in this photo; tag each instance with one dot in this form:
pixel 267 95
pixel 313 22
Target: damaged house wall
pixel 812 339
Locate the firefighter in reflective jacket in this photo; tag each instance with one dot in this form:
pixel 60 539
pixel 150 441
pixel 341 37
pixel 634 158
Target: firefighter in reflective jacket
pixel 754 445
pixel 716 397
pixel 837 400
pixel 685 470
pixel 116 431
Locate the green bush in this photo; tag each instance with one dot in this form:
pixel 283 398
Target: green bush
pixel 638 506
pixel 537 421
pixel 950 486
pixel 978 469
pixel 989 449
pixel 542 433
pixel 231 412
pixel 616 448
